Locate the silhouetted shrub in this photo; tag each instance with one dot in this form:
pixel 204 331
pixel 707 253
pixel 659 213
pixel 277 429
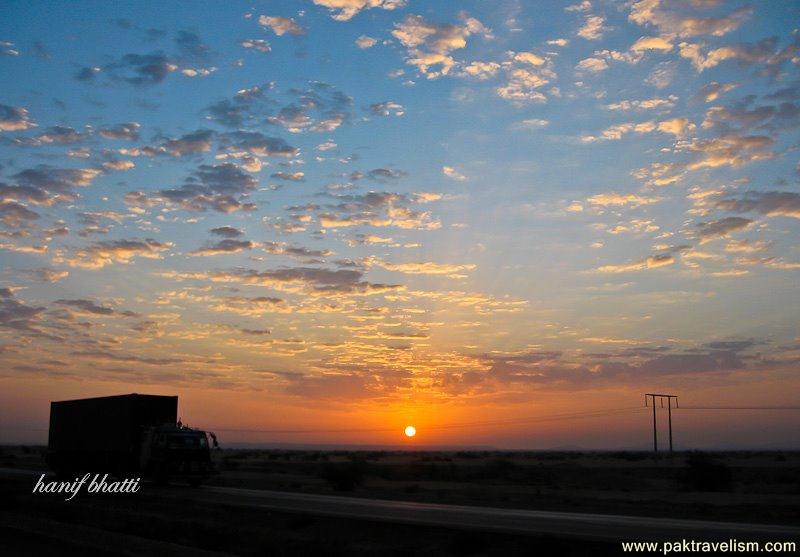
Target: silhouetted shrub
pixel 498 468
pixel 229 462
pixel 344 476
pixel 706 474
pixel 630 456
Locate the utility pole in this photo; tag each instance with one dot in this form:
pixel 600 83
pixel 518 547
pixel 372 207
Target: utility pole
pixel 651 397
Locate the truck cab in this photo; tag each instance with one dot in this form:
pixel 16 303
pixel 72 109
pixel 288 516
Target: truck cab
pixel 172 450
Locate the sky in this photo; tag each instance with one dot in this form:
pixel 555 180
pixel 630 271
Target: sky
pixel 320 221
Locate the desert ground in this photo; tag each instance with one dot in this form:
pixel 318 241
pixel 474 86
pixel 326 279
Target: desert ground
pixel 755 487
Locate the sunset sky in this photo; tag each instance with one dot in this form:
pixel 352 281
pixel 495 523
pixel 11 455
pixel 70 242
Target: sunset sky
pixel 325 220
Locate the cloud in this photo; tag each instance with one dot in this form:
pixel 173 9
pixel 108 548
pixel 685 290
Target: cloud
pixel 281 25
pixel 320 108
pixel 674 24
pixel 46 185
pixel 386 174
pixel 729 150
pixel 259 45
pixel 343 10
pixel 722 228
pixel 7 49
pixel 221 188
pixel 652 43
pixel 195 72
pixel 55 135
pixel 241 108
pixel 531 124
pixel 344 385
pixel 227 232
pixel 593 64
pixel 256 144
pixel 387 108
pixel 676 126
pixel 650 262
pixel 45 274
pixel 139 70
pixel 101 254
pixel 523 84
pixel 17 316
pixel 380 209
pixel 662 75
pixel 769 203
pixel 784 116
pixel 289 176
pixel 90 307
pixel 713 90
pixel 195 142
pixel 425 268
pixel 593 28
pixel 128 131
pixel 617 131
pixel 599 61
pixel 119 165
pixel 38 249
pixel 369 239
pixel 296 252
pixel 430 44
pixel 122 357
pixel 252 307
pixel 645 104
pixel 481 70
pixel 14 118
pixel 191 45
pixel 583 6
pixel 226 246
pixel 364 42
pixel 746 246
pixel 311 280
pixel 453 174
pixel 28 194
pixel 637 364
pixel 771 262
pixel 613 199
pixel 14 215
pixel 764 52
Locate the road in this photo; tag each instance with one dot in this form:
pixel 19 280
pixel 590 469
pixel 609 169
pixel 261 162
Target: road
pixel 517 521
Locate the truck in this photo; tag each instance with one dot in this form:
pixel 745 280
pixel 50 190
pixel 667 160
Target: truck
pixel 127 435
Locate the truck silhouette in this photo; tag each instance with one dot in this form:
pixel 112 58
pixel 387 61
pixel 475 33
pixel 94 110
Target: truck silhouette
pixel 127 435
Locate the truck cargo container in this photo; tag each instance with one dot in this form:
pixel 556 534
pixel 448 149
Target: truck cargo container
pixel 126 435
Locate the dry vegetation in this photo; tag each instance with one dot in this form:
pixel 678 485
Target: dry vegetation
pixel 737 486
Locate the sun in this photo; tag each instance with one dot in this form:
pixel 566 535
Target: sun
pixel 410 431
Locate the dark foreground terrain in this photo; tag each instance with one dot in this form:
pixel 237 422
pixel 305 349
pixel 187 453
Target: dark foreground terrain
pixel 753 487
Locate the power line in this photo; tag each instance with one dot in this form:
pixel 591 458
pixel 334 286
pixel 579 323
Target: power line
pixel 739 408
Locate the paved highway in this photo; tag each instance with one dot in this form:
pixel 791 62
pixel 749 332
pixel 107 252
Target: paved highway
pixel 559 524
pixel 518 521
